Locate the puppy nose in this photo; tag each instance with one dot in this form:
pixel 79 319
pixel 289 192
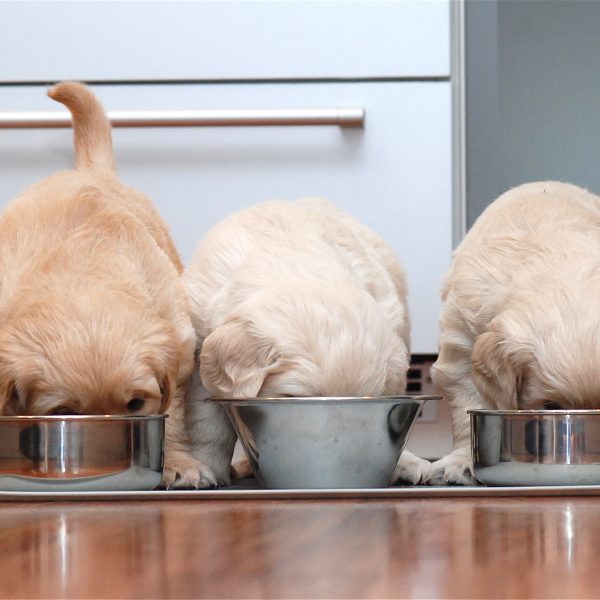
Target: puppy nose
pixel 135 404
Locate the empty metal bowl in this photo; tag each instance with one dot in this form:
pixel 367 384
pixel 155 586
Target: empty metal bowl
pixel 536 447
pixel 324 442
pixel 81 453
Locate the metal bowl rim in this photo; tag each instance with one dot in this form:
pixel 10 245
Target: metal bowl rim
pixel 80 418
pixel 327 399
pixel 538 413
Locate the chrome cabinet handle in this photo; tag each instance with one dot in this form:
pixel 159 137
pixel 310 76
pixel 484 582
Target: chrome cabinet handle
pixel 342 117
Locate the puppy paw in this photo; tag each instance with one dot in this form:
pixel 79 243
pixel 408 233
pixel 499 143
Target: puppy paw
pixel 454 469
pixel 186 472
pixel 216 466
pixel 411 470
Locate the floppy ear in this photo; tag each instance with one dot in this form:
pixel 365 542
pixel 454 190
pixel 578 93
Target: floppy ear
pixel 235 360
pixel 10 402
pixel 166 390
pixel 397 369
pixel 498 365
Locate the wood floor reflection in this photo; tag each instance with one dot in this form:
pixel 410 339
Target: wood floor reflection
pixel 419 548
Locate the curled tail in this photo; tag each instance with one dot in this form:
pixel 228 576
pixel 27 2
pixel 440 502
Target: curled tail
pixel 91 127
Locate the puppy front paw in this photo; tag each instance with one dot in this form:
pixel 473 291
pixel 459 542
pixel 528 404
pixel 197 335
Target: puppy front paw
pixel 411 470
pixel 182 471
pixel 454 469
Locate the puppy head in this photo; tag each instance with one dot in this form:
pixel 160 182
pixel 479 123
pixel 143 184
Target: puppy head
pixel 305 341
pixel 543 358
pixel 75 359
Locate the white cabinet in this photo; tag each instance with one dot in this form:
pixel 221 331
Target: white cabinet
pixel 222 40
pixel 390 58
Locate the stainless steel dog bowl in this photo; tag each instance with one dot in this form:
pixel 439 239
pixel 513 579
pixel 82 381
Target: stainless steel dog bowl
pixel 324 442
pixel 81 453
pixel 536 447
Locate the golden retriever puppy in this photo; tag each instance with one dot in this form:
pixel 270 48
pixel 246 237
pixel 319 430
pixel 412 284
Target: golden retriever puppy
pixel 293 299
pixel 520 316
pixel 94 317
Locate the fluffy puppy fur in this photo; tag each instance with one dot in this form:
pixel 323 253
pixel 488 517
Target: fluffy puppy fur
pixel 520 316
pixel 293 299
pixel 94 317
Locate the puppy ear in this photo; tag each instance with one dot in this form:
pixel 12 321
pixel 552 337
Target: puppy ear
pixel 10 401
pixel 166 390
pixel 397 369
pixel 498 365
pixel 235 360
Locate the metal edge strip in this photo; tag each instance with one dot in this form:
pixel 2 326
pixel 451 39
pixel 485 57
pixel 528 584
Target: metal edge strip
pixel 303 494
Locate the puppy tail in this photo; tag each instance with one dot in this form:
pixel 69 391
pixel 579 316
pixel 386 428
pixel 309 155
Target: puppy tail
pixel 91 127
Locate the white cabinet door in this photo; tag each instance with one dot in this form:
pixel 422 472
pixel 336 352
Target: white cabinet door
pixel 181 40
pixel 394 175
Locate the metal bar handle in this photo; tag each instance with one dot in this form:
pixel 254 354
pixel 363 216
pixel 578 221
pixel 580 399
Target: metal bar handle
pixel 341 117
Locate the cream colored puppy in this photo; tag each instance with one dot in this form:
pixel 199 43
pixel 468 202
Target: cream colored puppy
pixel 520 320
pixel 294 299
pixel 94 317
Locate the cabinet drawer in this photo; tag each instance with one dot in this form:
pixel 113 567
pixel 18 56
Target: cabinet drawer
pixel 175 40
pixel 394 175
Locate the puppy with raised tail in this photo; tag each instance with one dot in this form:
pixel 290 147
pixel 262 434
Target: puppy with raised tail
pixel 520 319
pixel 94 317
pixel 293 299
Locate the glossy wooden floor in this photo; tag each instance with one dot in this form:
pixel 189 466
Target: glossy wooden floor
pixel 428 548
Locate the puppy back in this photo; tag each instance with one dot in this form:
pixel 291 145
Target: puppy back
pixel 91 127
